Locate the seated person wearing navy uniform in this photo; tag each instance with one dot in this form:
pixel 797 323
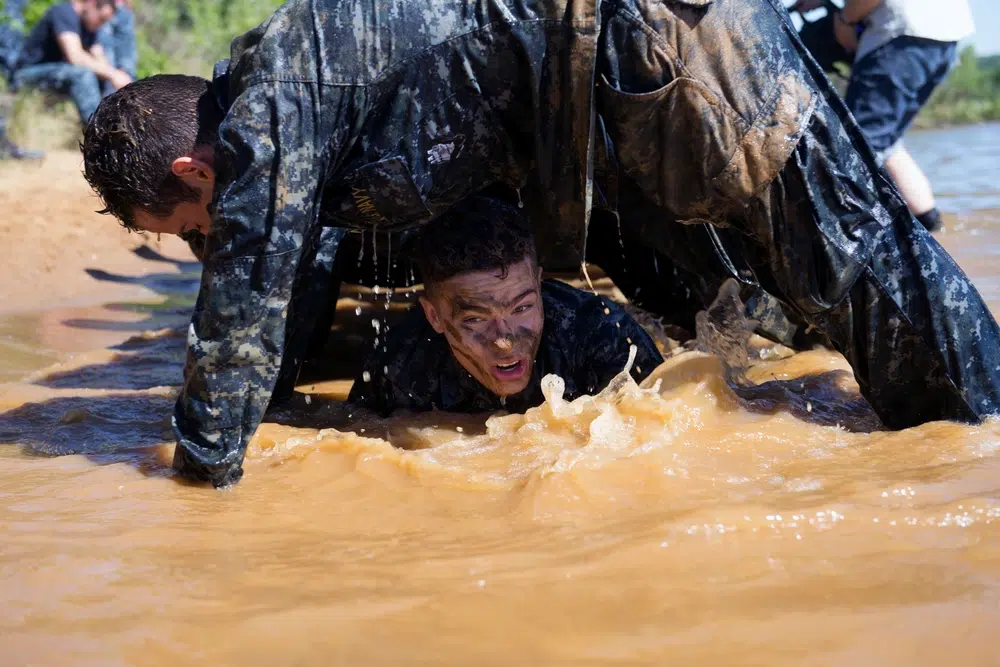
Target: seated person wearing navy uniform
pixel 488 328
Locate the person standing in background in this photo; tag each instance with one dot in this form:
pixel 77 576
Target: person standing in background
pixel 118 39
pixel 905 50
pixel 11 25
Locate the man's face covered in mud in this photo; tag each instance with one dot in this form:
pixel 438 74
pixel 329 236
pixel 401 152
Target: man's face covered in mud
pixel 492 321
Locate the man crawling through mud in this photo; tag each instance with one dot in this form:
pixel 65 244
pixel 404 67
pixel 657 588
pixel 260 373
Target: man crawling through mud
pixel 488 328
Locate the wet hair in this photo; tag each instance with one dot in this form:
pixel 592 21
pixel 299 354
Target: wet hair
pixel 479 234
pixel 133 138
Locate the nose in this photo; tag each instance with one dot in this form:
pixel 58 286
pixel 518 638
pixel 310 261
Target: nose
pixel 503 340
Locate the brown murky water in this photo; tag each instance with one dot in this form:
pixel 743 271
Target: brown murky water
pixel 663 525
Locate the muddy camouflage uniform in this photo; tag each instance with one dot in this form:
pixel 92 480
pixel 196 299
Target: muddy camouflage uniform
pixel 585 341
pixel 729 152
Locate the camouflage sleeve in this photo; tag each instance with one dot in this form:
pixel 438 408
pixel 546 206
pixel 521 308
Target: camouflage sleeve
pixel 275 146
pixel 605 349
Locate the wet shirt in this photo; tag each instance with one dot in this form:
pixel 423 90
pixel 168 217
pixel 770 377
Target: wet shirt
pixel 384 115
pixel 585 341
pixel 42 45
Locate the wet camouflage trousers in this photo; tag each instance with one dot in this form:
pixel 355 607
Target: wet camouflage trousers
pixel 921 341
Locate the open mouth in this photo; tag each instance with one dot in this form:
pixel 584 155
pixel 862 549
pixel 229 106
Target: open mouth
pixel 510 371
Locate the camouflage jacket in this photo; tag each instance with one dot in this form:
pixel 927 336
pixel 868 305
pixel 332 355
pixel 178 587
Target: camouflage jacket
pixel 585 341
pixel 386 114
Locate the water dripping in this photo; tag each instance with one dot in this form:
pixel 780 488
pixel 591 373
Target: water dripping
pixel 586 275
pixel 621 245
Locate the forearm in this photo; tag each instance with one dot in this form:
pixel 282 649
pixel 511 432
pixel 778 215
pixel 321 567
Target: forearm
pixel 98 66
pixel 856 11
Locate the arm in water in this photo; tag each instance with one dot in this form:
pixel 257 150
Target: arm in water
pixel 275 145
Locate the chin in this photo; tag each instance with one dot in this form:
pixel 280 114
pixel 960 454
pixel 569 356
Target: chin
pixel 511 389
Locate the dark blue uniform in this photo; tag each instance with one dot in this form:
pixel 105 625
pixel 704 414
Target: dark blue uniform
pixel 585 341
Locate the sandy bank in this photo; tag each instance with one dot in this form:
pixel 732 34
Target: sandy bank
pixel 52 236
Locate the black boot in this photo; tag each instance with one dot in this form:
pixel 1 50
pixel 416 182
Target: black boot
pixel 931 220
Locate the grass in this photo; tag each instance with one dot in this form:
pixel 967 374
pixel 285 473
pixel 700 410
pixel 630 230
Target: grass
pixel 44 121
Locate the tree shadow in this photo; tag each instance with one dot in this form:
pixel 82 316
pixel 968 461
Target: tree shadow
pixel 117 428
pixel 178 290
pixel 149 254
pixel 141 362
pixel 161 283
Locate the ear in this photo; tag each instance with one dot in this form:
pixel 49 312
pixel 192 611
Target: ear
pixel 194 171
pixel 433 317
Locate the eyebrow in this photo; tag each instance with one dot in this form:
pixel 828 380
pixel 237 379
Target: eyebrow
pixel 478 306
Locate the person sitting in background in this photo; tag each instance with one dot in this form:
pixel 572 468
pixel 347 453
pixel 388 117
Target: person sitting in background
pixel 11 39
pixel 488 328
pixel 62 53
pixel 117 38
pixel 905 51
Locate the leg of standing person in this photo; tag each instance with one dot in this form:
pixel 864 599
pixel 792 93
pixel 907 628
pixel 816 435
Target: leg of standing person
pixel 80 83
pixel 792 175
pixel 10 46
pixel 117 37
pixel 125 49
pixel 887 89
pixel 14 9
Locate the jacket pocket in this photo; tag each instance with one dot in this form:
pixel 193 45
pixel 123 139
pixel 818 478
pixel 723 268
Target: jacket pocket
pixel 692 154
pixel 381 195
pixel 672 142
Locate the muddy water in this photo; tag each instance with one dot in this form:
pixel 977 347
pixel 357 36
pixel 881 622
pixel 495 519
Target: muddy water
pixel 654 525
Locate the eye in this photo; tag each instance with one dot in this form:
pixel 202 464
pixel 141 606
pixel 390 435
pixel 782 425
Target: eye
pixel 523 308
pixel 472 320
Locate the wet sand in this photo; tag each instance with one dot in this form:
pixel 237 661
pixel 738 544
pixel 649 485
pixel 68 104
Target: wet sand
pixel 659 525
